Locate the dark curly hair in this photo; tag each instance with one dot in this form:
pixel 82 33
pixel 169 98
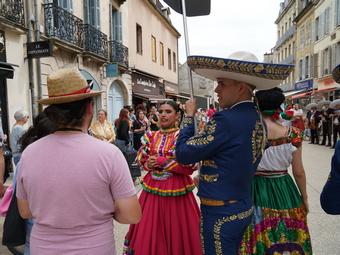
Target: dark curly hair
pixel 270 99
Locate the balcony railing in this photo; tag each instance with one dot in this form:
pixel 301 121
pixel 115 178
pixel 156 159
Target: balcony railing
pixel 61 24
pixel 119 53
pixel 13 10
pixel 289 33
pixel 288 60
pixel 95 41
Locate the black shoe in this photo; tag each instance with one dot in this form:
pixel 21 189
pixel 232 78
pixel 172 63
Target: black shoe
pixel 329 145
pixel 333 147
pixel 322 143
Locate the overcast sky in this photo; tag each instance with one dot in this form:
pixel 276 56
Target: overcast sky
pixel 232 25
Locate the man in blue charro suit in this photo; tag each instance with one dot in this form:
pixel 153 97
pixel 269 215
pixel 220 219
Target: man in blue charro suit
pixel 329 198
pixel 230 148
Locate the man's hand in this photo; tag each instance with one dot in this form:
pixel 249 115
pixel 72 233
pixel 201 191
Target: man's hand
pixel 190 107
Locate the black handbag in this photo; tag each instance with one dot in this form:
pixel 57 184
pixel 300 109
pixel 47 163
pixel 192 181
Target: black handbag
pixel 14 229
pixel 130 155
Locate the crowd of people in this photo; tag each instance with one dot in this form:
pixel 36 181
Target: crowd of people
pixel 73 177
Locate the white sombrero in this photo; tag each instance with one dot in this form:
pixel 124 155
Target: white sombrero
pixel 67 85
pixel 241 66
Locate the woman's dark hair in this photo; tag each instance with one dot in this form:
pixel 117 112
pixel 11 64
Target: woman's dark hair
pixel 138 112
pixel 68 114
pixel 173 104
pixel 270 99
pixel 123 115
pixel 42 126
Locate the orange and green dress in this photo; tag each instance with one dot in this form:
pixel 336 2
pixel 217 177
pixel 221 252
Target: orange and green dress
pixel 279 224
pixel 170 224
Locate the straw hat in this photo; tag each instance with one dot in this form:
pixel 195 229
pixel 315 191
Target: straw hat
pixel 65 86
pixel 241 66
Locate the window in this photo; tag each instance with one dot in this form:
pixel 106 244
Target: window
pixel 300 69
pixel 290 49
pixel 337 12
pixel 174 60
pixel 278 33
pixel 153 49
pixel 337 53
pixel 317 24
pixel 139 39
pixel 92 11
pixel 316 65
pixel 302 37
pixel 326 22
pixel 169 59
pixel 286 54
pixel 278 57
pixel 66 4
pixel 325 61
pixel 307 67
pixel 161 53
pixel 117 26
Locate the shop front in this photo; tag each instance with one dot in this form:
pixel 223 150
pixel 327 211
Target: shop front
pixel 146 89
pixel 171 90
pixel 302 92
pixel 326 88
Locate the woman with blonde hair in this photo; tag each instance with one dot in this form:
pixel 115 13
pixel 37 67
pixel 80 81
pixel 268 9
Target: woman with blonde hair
pixel 102 129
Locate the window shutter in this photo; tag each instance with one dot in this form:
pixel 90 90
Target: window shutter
pixel 303 75
pixel 330 59
pixel 311 66
pixel 120 28
pixel 86 12
pixel 71 5
pixel 97 14
pixel 333 56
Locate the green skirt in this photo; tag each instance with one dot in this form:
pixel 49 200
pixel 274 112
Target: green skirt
pixel 279 223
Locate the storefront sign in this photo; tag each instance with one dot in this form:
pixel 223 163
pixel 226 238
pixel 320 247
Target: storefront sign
pixel 112 70
pixel 307 84
pixel 171 88
pixel 146 85
pixel 39 49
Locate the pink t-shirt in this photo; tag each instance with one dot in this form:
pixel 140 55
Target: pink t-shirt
pixel 70 181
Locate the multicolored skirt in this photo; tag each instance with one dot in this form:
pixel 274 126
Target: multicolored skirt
pixel 170 225
pixel 279 224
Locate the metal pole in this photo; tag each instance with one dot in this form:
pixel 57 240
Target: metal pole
pixel 30 61
pixel 187 50
pixel 37 38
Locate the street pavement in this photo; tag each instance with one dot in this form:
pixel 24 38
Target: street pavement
pixel 324 229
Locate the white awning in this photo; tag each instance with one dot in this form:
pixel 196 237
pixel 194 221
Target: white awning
pixel 290 93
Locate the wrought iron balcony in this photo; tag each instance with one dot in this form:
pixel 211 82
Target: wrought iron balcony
pixel 63 25
pixel 288 34
pixel 288 60
pixel 119 53
pixel 13 10
pixel 95 41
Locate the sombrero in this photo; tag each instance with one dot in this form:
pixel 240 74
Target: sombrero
pixel 335 104
pixel 336 74
pixel 67 85
pixel 241 66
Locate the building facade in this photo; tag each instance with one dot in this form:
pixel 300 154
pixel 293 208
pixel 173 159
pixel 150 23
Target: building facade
pixel 304 60
pixel 326 48
pixel 15 89
pixel 284 50
pixel 153 43
pixel 203 88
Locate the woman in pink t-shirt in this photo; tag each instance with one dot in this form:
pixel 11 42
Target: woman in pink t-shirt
pixel 72 184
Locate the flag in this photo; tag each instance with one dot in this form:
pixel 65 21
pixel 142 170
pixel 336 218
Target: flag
pixel 193 7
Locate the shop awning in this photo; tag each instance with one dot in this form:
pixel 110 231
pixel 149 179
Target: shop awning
pixel 303 94
pixel 152 98
pixel 325 90
pixel 294 92
pixel 6 70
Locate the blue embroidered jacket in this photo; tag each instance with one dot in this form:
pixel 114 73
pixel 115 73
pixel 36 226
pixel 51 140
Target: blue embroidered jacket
pixel 230 150
pixel 329 198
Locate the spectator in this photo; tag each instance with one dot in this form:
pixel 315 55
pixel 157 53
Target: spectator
pixel 21 118
pixel 211 111
pixel 122 125
pixel 139 127
pixel 72 184
pixel 102 129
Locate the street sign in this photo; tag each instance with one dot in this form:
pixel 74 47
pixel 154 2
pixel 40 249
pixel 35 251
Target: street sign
pixel 112 70
pixel 39 49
